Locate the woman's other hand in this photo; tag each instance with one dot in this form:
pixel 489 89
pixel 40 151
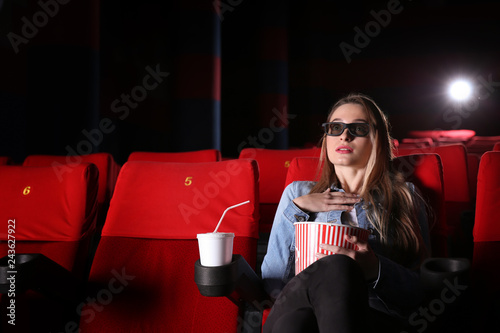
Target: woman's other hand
pixel 326 201
pixel 364 255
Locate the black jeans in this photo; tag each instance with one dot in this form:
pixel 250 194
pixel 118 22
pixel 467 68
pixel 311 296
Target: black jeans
pixel 328 296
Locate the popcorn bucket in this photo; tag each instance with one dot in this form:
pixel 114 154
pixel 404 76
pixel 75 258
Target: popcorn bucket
pixel 309 235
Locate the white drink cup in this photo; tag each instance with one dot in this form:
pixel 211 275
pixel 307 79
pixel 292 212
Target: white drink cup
pixel 216 248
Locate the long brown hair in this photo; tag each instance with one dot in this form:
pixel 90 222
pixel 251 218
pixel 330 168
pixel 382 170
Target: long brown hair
pixel 392 207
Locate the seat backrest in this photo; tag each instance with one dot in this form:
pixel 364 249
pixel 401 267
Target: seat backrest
pixel 487 218
pixel 484 139
pixel 486 254
pixel 496 147
pixel 455 171
pixel 424 170
pixel 108 169
pixel 52 216
pixel 206 155
pixel 457 194
pixel 149 240
pixel 273 167
pixel 481 144
pixel 303 168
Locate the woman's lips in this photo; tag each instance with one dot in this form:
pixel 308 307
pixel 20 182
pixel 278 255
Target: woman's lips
pixel 343 150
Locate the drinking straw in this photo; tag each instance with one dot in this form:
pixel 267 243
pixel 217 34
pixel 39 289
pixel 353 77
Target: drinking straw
pixel 218 224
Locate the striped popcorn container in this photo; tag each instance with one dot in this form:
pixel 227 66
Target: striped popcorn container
pixel 309 235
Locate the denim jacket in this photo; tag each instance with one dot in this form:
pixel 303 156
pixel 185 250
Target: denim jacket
pixel 396 286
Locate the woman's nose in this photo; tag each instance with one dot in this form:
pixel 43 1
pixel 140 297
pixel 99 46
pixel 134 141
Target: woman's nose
pixel 346 135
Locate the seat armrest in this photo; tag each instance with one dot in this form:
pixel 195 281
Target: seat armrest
pixel 436 273
pixel 237 277
pixel 34 271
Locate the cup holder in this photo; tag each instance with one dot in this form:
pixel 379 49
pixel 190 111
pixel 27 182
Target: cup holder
pixel 37 272
pixel 434 273
pixel 21 266
pixel 236 280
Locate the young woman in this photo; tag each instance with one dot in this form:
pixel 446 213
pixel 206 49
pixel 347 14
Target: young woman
pixel 344 291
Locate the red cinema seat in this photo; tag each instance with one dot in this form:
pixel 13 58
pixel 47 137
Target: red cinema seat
pixel 487 226
pixel 142 274
pixel 496 147
pixel 108 173
pixel 454 159
pixel 41 213
pixel 481 144
pixel 53 215
pixel 486 257
pixel 273 167
pixel 456 189
pixel 426 172
pixel 303 168
pixel 423 170
pixel 206 155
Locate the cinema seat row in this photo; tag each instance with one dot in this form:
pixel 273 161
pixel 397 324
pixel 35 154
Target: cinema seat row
pixel 475 145
pixel 141 276
pixel 143 265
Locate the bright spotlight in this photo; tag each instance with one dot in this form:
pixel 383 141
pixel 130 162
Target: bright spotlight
pixel 460 90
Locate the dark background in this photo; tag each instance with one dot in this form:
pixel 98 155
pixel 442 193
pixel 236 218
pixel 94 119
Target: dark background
pixel 232 71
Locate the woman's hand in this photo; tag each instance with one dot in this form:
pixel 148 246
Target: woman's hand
pixel 326 201
pixel 364 255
